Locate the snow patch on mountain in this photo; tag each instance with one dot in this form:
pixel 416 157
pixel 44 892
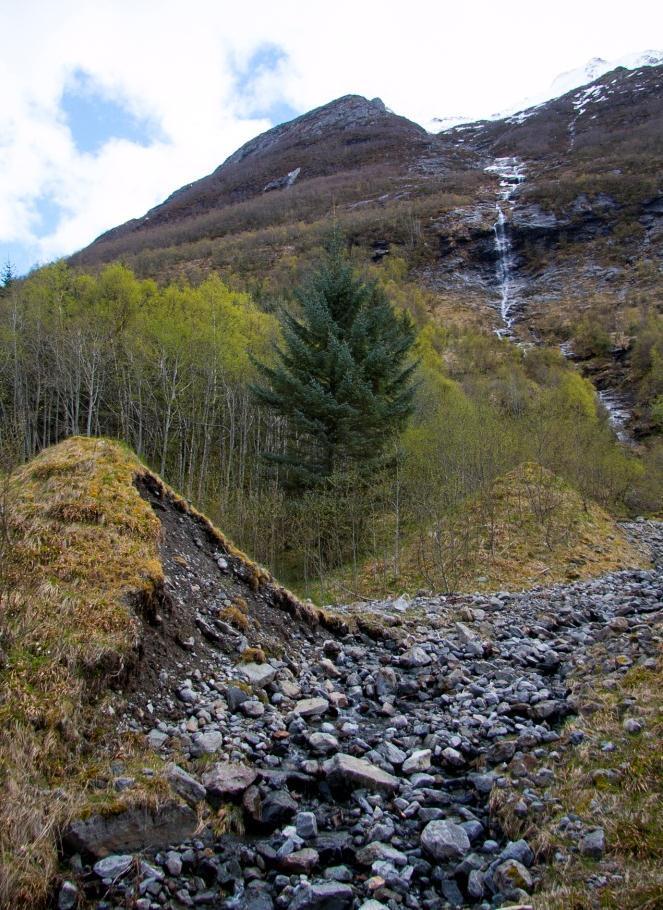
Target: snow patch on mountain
pixel 562 84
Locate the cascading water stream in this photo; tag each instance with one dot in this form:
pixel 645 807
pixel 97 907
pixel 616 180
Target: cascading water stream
pixel 510 170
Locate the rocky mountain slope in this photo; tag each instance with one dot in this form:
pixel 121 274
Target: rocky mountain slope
pixel 582 223
pixel 219 744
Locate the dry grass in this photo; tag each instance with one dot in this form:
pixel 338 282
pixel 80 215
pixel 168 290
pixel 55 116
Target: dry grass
pixel 81 561
pixel 627 807
pixel 83 553
pixel 530 528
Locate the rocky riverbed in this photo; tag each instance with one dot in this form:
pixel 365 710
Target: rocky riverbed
pixel 361 771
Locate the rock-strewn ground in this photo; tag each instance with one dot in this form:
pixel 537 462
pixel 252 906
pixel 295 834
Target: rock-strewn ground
pixel 362 772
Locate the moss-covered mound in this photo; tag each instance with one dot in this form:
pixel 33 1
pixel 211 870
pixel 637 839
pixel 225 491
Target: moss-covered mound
pixel 529 527
pixel 84 613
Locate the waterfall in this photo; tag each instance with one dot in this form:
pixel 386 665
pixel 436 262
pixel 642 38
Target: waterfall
pixel 510 171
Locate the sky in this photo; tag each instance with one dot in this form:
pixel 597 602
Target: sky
pixel 109 106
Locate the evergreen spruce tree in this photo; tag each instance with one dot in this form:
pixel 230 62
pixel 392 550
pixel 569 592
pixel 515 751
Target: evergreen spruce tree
pixel 343 376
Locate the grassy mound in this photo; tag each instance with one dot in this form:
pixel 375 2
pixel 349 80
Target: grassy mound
pixel 528 528
pixel 80 555
pixel 80 570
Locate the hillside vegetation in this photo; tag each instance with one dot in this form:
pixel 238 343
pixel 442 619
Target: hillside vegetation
pixel 169 371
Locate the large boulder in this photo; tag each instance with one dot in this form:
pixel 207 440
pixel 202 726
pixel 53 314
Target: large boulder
pixel 445 840
pixel 131 830
pixel 226 780
pixel 322 896
pixel 346 770
pixel 257 675
pixel 184 784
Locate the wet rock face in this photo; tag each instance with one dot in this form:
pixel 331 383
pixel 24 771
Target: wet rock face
pixel 366 779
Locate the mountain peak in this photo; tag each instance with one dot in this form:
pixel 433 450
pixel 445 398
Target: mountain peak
pixel 341 113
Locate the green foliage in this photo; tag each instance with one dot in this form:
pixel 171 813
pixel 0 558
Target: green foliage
pixel 342 378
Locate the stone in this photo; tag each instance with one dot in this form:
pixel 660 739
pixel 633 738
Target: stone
pixel 510 876
pixel 252 708
pixel 445 840
pixel 226 780
pixel 502 751
pixel 592 844
pixel 173 863
pixel 278 807
pixel 386 682
pixel 373 905
pixel 520 850
pixel 114 866
pixel 68 896
pixel 346 770
pixel 475 886
pixel 323 743
pixel 235 697
pixel 417 761
pixel 393 754
pixel 632 726
pixel 132 830
pixel 322 896
pixel 156 738
pixel 311 707
pixel 464 632
pixel 415 657
pixel 257 675
pixel 378 851
pixel 453 757
pixel 208 743
pixel 184 784
pixel 306 825
pixel 300 861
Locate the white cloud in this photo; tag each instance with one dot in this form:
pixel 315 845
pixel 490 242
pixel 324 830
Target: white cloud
pixel 176 64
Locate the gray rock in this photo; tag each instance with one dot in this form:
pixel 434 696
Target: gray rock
pixel 520 850
pixel 311 707
pixel 417 761
pixel 208 743
pixel 511 876
pixel 252 708
pixel 322 896
pixel 227 779
pixel 354 772
pixel 132 830
pixel 453 757
pixel 445 840
pixel 277 808
pixel 68 896
pixel 323 743
pixel 184 784
pixel 475 884
pixel 385 681
pixel 306 825
pixel 415 657
pixel 156 738
pixel 257 675
pixel 592 844
pixel 173 863
pixel 114 866
pixel 377 851
pixel 300 861
pixel 235 697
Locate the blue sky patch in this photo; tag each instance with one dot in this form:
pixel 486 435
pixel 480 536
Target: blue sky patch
pixel 94 118
pixel 265 59
pixel 48 213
